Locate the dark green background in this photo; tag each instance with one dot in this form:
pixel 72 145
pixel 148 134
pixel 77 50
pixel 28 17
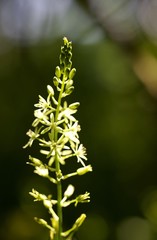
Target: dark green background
pixel 114 52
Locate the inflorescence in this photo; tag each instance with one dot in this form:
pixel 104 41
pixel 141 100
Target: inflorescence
pixel 56 130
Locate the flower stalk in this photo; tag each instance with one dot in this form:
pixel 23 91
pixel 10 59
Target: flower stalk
pixel 56 131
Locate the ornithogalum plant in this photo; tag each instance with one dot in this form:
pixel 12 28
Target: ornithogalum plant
pixel 56 131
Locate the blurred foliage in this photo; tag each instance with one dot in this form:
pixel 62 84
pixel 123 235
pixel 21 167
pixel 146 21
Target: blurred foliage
pixel 115 53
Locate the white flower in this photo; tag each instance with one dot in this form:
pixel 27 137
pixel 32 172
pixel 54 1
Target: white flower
pixel 71 132
pixel 43 103
pixel 41 117
pixel 33 135
pixel 38 196
pixel 67 113
pixel 80 153
pixel 83 198
pixel 42 171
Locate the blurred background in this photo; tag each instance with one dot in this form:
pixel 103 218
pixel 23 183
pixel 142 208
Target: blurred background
pixel 115 54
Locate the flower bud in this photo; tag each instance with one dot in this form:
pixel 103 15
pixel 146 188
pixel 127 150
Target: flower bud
pixel 58 72
pixel 47 203
pixel 69 90
pixel 69 83
pixel 41 221
pixel 36 161
pixel 55 222
pixel 55 81
pixel 50 90
pixel 41 171
pixel 74 106
pixel 84 170
pixel 62 56
pixel 65 40
pixel 80 220
pixel 69 191
pixel 72 73
pixel 67 70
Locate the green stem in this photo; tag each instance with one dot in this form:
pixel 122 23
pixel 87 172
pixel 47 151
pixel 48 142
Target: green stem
pixel 58 170
pixel 70 175
pixel 59 198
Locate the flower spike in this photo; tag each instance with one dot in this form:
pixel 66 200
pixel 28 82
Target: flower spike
pixel 56 131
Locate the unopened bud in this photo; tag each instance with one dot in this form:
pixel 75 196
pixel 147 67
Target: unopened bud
pixel 69 90
pixel 55 81
pixel 80 220
pixel 47 203
pixel 84 170
pixel 36 161
pixel 50 90
pixel 69 83
pixel 74 106
pixel 58 72
pixel 69 191
pixel 41 221
pixel 72 73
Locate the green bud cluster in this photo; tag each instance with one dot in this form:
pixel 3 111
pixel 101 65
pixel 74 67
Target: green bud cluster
pixel 56 131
